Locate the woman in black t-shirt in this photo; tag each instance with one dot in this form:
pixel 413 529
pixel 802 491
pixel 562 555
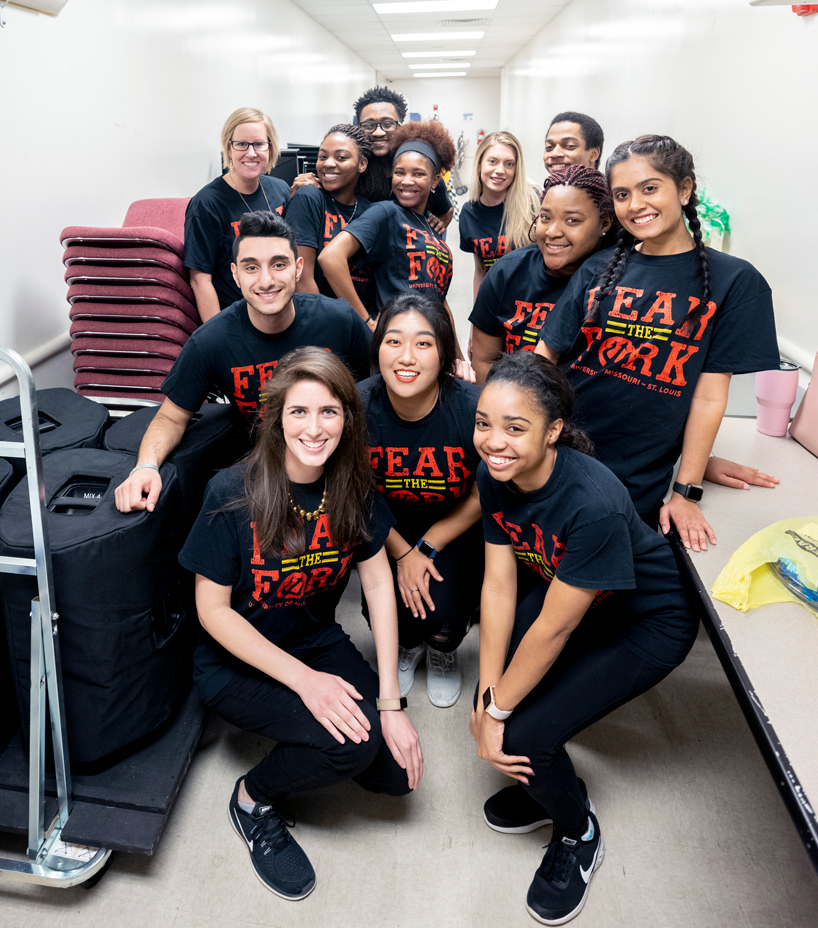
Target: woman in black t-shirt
pixel 394 238
pixel 250 151
pixel 421 424
pixel 318 214
pixel 272 551
pixel 652 331
pixel 607 620
pixel 501 204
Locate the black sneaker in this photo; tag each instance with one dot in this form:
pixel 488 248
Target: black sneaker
pixel 513 812
pixel 560 885
pixel 277 858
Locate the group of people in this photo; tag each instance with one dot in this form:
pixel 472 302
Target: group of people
pixel 526 492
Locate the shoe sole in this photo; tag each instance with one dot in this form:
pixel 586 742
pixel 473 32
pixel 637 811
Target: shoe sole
pixel 600 856
pixel 264 883
pixel 532 826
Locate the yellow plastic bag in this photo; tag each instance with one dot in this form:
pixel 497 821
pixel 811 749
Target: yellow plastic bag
pixel 779 564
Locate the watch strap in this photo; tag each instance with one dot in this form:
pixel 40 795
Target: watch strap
pixel 491 707
pixel 426 549
pixel 385 705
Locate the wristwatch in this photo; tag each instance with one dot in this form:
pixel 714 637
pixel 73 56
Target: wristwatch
pixel 383 705
pixel 691 491
pixel 492 708
pixel 425 548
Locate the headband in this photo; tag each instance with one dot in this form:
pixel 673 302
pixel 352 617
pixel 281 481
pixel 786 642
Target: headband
pixel 422 148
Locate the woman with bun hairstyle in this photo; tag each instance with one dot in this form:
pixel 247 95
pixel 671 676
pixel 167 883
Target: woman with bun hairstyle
pixel 607 620
pixel 272 550
pixel 573 221
pixel 421 427
pixel 653 329
pixel 394 238
pixel 501 204
pixel 249 152
pixel 318 214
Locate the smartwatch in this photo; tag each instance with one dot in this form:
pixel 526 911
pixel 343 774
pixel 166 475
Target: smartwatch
pixel 492 708
pixel 691 491
pixel 383 705
pixel 426 549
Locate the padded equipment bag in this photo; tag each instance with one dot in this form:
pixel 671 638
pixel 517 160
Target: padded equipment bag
pixel 8 713
pixel 126 608
pixel 67 420
pixel 213 439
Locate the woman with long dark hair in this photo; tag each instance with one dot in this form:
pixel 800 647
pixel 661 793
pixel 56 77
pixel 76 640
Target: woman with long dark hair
pixel 607 620
pixel 652 331
pixel 421 422
pixel 272 551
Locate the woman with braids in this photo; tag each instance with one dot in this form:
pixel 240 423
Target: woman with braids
pixel 574 217
pixel 653 329
pixel 607 620
pixel 501 206
pixel 272 551
pixel 421 443
pixel 318 214
pixel 394 238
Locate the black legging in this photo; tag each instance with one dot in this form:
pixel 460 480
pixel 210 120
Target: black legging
pixel 460 564
pixel 594 674
pixel 307 757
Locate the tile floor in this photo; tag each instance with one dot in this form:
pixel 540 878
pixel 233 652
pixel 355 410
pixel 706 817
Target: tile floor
pixel 696 834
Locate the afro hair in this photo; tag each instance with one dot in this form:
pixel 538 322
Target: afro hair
pixel 381 95
pixel 431 132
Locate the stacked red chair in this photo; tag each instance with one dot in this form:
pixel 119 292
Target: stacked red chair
pixel 132 308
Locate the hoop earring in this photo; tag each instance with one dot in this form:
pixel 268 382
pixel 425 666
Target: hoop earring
pixel 531 238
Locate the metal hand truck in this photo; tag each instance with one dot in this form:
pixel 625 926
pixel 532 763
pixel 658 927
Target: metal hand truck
pixel 51 861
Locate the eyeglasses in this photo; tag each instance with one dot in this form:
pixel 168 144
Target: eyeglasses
pixel 370 125
pixel 243 146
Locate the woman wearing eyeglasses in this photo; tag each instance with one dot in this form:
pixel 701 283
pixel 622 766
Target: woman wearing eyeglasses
pixel 250 151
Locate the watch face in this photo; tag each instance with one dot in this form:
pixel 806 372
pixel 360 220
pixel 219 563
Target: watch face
pixel 425 548
pixel 695 493
pixel 487 698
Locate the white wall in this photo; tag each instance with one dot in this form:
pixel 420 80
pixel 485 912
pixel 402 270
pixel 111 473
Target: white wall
pixel 456 96
pixel 119 100
pixel 735 84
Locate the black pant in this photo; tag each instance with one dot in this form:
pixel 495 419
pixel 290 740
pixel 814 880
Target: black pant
pixel 456 599
pixel 594 674
pixel 307 757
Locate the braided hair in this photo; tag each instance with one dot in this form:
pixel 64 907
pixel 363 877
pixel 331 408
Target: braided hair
pixel 593 182
pixel 670 158
pixel 355 134
pixel 550 389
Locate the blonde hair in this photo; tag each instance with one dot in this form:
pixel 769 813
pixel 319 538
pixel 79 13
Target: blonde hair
pixel 522 202
pixel 250 114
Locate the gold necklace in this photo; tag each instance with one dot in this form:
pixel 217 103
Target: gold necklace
pixel 309 516
pixel 249 210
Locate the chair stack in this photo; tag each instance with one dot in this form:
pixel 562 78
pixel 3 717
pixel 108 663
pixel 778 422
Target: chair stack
pixel 132 308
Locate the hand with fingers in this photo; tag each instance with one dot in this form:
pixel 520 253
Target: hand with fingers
pixel 304 180
pixel 140 491
pixel 414 572
pixel 403 741
pixel 739 476
pixel 332 702
pixel 693 528
pixel 464 371
pixel 488 733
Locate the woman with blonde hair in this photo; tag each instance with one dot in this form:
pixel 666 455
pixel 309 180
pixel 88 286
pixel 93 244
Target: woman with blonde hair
pixel 249 152
pixel 501 204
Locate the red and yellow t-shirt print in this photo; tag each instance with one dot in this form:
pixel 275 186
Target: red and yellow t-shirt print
pixel 430 261
pixel 428 475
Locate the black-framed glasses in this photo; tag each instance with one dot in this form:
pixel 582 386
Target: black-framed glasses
pixel 387 124
pixel 243 146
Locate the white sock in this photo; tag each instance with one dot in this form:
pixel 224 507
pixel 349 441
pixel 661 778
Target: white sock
pixel 247 806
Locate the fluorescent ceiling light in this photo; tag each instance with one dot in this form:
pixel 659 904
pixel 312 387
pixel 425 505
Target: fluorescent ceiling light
pixel 434 6
pixel 438 54
pixel 441 74
pixel 460 64
pixel 436 36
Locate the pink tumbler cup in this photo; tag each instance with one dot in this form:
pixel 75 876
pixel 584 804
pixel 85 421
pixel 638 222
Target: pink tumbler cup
pixel 775 393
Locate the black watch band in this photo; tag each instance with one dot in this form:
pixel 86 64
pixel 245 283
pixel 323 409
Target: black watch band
pixel 692 491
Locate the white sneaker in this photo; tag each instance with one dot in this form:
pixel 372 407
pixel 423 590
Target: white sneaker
pixel 408 659
pixel 443 680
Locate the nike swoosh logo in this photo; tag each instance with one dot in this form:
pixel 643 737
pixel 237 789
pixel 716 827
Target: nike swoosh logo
pixel 586 874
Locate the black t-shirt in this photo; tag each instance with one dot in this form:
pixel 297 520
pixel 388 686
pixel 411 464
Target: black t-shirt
pixel 439 203
pixel 422 468
pixel 480 231
pixel 228 351
pixel 316 218
pixel 582 527
pixel 636 367
pixel 515 297
pixel 290 600
pixel 402 251
pixel 212 223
